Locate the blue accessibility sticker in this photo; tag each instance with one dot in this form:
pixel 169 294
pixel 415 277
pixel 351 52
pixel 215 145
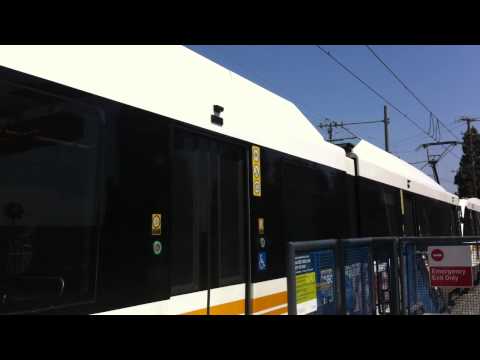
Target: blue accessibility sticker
pixel 262 260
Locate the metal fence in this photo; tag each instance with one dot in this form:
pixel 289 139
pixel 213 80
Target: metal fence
pixel 380 276
pixel 420 294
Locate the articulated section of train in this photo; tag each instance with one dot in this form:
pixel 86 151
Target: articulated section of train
pixel 150 180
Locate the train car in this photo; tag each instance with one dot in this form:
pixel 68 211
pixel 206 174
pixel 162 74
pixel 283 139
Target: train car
pixel 470 210
pixel 470 216
pixel 397 199
pixel 150 180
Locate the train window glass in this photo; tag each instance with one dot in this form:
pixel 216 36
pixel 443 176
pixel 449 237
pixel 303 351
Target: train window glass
pixel 351 199
pixel 379 209
pixel 190 185
pixel 476 222
pixel 425 213
pixel 131 272
pixel 409 217
pixel 472 222
pixel 392 209
pixel 231 217
pixel 436 216
pixel 467 224
pixel 371 209
pixel 49 151
pixel 314 207
pixel 209 201
pixel 455 220
pixel 445 221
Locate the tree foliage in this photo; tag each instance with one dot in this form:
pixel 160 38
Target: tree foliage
pixel 464 176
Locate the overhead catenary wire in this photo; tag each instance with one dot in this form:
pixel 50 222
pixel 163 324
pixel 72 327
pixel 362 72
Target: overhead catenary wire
pixel 379 95
pixel 372 89
pixel 431 113
pixel 350 132
pixel 421 136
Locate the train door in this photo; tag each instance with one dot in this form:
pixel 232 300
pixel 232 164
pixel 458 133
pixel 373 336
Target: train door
pixel 209 224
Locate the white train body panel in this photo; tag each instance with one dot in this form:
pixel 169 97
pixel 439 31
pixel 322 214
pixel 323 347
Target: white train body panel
pixel 379 165
pixel 176 82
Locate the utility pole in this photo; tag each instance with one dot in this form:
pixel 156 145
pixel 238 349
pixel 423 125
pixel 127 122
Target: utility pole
pixel 385 125
pixel 474 175
pixel 331 124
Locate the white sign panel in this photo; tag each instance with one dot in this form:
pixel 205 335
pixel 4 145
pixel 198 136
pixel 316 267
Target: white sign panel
pixel 445 256
pixel 307 307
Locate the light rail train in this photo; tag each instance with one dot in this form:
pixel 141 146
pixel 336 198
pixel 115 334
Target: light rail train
pixel 150 180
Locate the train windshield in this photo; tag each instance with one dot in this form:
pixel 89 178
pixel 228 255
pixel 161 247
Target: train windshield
pixel 48 157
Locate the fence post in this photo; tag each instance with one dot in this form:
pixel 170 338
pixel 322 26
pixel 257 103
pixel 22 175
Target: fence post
pixel 373 287
pixel 396 278
pixel 340 275
pixel 291 283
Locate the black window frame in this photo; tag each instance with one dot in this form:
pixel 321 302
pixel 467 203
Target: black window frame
pixel 78 99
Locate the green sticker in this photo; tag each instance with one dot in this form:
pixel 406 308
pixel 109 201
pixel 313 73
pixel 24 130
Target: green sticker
pixel 157 247
pixel 262 242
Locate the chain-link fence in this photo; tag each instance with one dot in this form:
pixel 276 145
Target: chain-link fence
pixel 434 287
pixel 385 276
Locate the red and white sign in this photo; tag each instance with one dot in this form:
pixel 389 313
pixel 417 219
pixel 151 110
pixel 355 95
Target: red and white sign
pixel 450 266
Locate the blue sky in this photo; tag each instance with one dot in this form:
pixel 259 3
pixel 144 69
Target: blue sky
pixel 445 78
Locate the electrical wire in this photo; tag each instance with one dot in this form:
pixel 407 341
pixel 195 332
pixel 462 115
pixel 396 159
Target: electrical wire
pixel 372 89
pixel 378 94
pixel 411 92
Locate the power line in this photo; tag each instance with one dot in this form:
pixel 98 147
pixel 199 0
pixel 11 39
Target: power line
pixel 378 94
pixel 411 92
pixel 421 136
pixel 410 138
pixel 371 89
pixel 350 132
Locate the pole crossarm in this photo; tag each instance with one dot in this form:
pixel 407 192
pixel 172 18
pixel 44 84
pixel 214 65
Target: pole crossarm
pixel 330 124
pixel 349 138
pixel 342 124
pixel 441 143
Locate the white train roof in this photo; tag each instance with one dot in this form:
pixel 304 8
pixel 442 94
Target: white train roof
pixel 379 165
pixel 471 203
pixel 178 83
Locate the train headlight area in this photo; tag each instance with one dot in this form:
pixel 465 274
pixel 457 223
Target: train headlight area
pixel 154 181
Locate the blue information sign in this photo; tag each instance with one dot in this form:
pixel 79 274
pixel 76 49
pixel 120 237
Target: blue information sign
pixel 262 260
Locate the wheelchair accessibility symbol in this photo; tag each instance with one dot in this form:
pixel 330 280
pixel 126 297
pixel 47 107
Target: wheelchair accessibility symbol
pixel 262 260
